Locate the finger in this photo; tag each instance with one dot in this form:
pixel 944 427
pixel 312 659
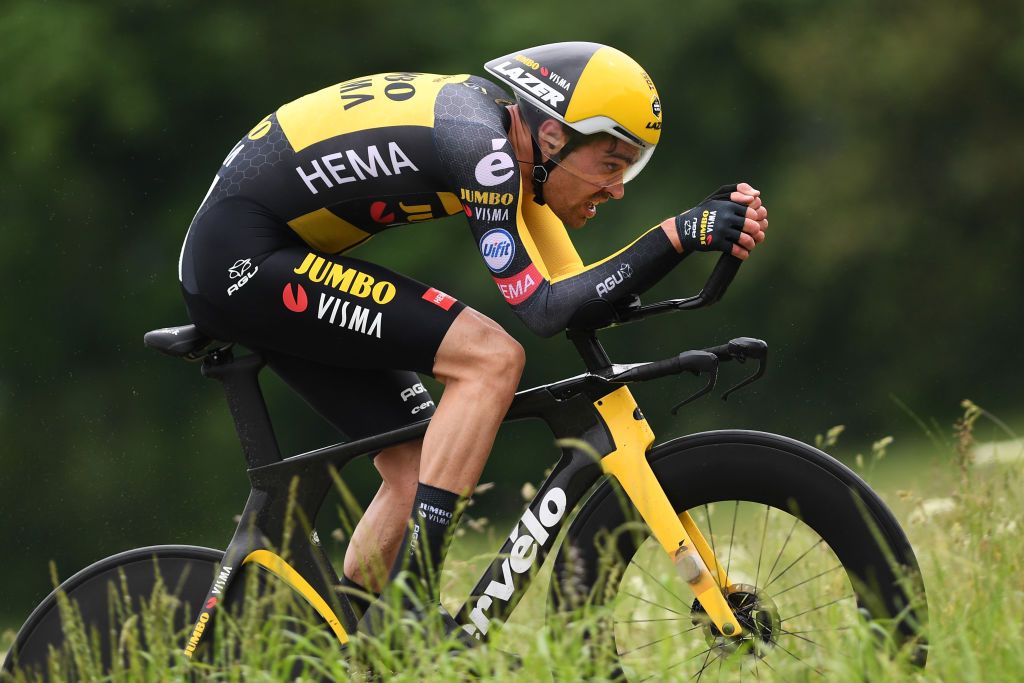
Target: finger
pixel 758 236
pixel 753 214
pixel 747 188
pixel 746 241
pixel 763 224
pixel 751 226
pixel 741 198
pixel 739 252
pixel 756 204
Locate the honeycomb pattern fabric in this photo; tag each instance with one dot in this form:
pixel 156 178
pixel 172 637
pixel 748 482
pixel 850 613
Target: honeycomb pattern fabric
pixel 342 164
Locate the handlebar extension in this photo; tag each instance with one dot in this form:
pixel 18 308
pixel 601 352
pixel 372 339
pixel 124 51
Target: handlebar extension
pixel 697 362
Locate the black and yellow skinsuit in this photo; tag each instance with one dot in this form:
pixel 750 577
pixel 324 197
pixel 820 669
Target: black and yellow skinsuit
pixel 263 262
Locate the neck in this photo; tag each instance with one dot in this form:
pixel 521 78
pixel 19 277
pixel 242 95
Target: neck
pixel 522 146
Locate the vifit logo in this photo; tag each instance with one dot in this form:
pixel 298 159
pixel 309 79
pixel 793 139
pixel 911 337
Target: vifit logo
pixel 531 532
pixel 498 249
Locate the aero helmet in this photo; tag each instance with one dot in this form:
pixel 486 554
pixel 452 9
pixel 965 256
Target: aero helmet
pixel 588 87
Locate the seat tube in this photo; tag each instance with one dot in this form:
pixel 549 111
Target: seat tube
pixel 240 380
pixel 682 541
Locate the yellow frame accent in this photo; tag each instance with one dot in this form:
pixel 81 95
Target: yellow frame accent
pixel 678 534
pixel 276 565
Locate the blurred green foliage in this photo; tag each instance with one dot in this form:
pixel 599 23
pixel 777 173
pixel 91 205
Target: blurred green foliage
pixel 886 139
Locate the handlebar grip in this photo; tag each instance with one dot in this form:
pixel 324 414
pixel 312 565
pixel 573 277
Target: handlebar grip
pixel 694 361
pixel 720 278
pixel 740 347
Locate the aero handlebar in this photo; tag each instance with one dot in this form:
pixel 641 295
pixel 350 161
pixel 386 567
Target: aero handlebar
pixel 598 314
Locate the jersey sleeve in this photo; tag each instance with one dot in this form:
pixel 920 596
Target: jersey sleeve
pixel 524 246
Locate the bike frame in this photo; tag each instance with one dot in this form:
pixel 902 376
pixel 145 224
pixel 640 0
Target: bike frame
pixel 592 408
pixel 595 408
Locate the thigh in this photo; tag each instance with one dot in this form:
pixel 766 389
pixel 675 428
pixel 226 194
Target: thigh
pixel 357 402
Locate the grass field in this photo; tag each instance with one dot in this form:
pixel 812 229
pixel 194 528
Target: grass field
pixel 959 501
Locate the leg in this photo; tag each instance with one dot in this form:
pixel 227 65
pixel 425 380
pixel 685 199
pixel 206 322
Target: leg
pixel 377 537
pixel 480 366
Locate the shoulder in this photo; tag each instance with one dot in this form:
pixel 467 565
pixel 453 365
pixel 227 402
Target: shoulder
pixel 472 101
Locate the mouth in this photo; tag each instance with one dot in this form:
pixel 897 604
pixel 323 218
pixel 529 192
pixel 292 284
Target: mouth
pixel 590 210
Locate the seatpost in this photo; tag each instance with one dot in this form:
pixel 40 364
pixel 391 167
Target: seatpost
pixel 246 403
pixel 593 354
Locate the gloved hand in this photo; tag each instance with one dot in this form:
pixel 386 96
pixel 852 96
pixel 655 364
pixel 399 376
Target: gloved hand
pixel 721 223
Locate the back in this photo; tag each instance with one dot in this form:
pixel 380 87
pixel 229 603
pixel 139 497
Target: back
pixel 345 162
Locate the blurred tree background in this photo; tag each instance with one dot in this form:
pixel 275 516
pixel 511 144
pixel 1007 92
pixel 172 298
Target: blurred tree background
pixel 886 139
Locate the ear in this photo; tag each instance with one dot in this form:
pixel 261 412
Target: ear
pixel 552 137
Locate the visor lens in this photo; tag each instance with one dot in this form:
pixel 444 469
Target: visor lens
pixel 606 162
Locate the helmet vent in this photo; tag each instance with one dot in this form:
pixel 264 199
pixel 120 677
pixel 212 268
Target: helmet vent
pixel 629 136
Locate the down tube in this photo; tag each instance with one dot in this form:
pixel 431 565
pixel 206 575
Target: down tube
pixel 533 536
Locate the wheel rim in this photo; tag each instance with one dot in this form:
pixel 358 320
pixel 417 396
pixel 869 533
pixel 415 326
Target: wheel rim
pixel 795 601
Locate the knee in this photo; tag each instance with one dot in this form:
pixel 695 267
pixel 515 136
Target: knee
pixel 497 360
pixel 508 356
pixel 478 351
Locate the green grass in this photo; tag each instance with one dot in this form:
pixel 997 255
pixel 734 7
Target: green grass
pixel 960 505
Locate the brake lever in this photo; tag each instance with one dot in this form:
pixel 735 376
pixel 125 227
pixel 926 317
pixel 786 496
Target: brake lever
pixel 742 348
pixel 713 377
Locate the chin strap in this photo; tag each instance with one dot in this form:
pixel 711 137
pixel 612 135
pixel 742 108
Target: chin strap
pixel 541 170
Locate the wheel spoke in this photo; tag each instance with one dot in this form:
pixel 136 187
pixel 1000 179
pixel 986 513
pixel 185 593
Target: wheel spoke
pixel 807 611
pixel 667 609
pixel 647 621
pixel 732 538
pixel 760 552
pixel 711 534
pixel 681 661
pixel 783 548
pixel 793 563
pixel 707 660
pixel 827 571
pixel 820 630
pixel 655 579
pixel 797 634
pixel 655 642
pixel 817 671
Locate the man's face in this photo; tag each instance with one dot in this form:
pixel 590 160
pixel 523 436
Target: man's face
pixel 588 176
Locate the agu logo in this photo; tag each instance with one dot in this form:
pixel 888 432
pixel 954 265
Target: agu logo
pixel 498 249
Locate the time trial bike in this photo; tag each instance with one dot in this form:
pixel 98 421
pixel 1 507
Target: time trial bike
pixel 740 549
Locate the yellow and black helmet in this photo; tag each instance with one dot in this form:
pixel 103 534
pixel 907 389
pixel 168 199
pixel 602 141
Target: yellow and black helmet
pixel 589 87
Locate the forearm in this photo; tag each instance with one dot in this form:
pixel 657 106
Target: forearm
pixel 631 270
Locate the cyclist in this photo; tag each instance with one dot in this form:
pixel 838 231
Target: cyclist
pixel 265 261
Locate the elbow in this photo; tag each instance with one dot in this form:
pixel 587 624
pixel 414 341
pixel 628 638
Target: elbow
pixel 543 325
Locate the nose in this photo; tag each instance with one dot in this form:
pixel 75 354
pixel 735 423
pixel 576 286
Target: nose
pixel 616 191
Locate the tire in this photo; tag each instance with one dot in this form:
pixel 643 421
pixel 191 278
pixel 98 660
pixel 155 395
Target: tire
pixel 186 573
pixel 802 613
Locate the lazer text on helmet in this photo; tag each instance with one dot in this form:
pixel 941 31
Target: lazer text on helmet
pixel 530 82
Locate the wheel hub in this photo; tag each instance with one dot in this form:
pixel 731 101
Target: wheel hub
pixel 757 615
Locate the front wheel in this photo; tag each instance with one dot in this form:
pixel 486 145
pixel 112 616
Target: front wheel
pixel 125 595
pixel 815 561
